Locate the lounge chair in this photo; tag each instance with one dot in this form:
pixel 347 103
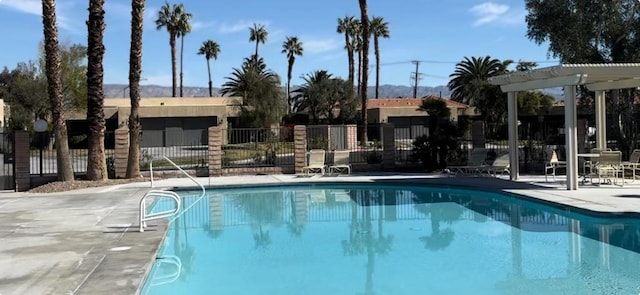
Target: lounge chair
pixel 340 163
pixel 552 165
pixel 501 164
pixel 316 163
pixel 633 164
pixel 474 165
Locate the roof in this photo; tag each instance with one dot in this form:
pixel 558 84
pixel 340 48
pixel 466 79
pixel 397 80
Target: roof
pixel 375 103
pixel 595 76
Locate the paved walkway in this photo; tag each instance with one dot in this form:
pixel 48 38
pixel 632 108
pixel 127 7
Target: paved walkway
pixel 82 242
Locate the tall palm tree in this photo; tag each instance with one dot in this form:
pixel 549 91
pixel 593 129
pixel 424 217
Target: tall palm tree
pixel 172 18
pixel 345 25
pixel 364 20
pixel 184 28
pixel 135 70
pixel 258 33
pixel 209 49
pixel 54 88
pixel 356 45
pixel 292 47
pixel 379 29
pixel 470 76
pixel 96 161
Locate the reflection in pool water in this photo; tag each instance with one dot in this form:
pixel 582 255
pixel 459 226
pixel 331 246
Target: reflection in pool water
pixel 390 240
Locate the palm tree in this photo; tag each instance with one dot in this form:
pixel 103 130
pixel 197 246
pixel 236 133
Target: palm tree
pixel 184 28
pixel 258 33
pixel 356 46
pixel 96 161
pixel 469 84
pixel 135 70
pixel 364 20
pixel 209 49
pixel 345 26
pixel 291 47
pixel 173 19
pixel 54 88
pixel 379 29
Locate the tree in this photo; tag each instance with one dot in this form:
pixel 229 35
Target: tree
pixel 534 103
pixel 24 90
pixel 356 42
pixel 209 49
pixel 581 32
pixel 469 84
pixel 96 161
pixel 379 29
pixel 321 95
pixel 173 19
pixel 54 87
pixel 346 26
pixel 260 89
pixel 364 20
pixel 73 68
pixel 292 47
pixel 258 33
pixel 184 28
pixel 135 71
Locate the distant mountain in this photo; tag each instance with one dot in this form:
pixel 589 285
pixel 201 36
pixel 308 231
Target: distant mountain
pixel 386 91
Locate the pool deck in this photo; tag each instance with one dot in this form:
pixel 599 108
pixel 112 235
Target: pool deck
pixel 86 241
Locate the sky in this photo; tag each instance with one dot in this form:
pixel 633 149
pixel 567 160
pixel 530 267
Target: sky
pixel 439 33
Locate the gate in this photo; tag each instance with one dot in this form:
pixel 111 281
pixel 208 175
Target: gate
pixel 6 161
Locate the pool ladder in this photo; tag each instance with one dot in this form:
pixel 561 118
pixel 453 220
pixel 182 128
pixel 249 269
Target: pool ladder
pixel 146 216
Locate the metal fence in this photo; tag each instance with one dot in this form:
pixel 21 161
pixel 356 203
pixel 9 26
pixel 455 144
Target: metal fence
pixel 6 161
pixel 258 147
pixel 188 150
pixel 348 137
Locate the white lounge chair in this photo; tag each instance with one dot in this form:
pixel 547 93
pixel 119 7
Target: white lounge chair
pixel 474 165
pixel 501 164
pixel 316 163
pixel 340 163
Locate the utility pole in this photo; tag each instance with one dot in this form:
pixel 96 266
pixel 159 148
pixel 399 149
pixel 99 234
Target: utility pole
pixel 416 77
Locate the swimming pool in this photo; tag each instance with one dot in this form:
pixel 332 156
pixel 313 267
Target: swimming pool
pixel 381 239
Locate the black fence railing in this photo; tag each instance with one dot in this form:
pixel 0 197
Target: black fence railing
pixel 186 148
pixel 348 137
pixel 258 147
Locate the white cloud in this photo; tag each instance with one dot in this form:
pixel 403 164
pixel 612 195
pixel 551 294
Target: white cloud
pixel 34 7
pixel 239 26
pixel 196 25
pixel 315 46
pixel 488 12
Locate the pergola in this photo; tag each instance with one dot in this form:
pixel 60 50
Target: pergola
pixel 597 77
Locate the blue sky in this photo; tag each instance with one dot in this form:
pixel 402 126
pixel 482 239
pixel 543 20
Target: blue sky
pixel 440 33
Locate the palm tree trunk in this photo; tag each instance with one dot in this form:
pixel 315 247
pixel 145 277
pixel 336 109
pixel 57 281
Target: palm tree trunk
pixel 181 59
pixel 364 15
pixel 96 162
pixel 377 49
pixel 257 43
pixel 135 70
pixel 210 83
pixel 174 78
pixel 350 59
pixel 359 72
pixel 54 88
pixel 289 73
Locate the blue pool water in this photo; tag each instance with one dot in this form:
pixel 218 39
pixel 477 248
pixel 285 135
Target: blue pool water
pixel 373 239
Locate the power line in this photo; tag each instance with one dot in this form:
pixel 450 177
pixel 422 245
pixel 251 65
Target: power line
pixel 453 62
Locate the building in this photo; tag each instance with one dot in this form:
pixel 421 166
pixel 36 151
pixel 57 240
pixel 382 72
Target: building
pixel 404 111
pixel 166 121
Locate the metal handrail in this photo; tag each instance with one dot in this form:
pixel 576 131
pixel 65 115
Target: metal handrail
pixel 158 280
pixel 144 217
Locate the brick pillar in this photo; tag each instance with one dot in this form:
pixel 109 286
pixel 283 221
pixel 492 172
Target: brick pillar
pixel 388 147
pixel 121 152
pixel 215 150
pixel 478 138
pixel 21 161
pixel 352 137
pixel 300 147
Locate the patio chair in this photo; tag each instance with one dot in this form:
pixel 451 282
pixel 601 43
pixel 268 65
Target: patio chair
pixel 474 164
pixel 552 165
pixel 340 163
pixel 610 167
pixel 316 162
pixel 592 163
pixel 501 164
pixel 633 164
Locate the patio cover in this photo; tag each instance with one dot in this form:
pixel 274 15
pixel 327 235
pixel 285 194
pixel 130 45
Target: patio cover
pixel 597 77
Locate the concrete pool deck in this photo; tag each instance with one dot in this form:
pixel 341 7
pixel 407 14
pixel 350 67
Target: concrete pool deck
pixel 86 241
